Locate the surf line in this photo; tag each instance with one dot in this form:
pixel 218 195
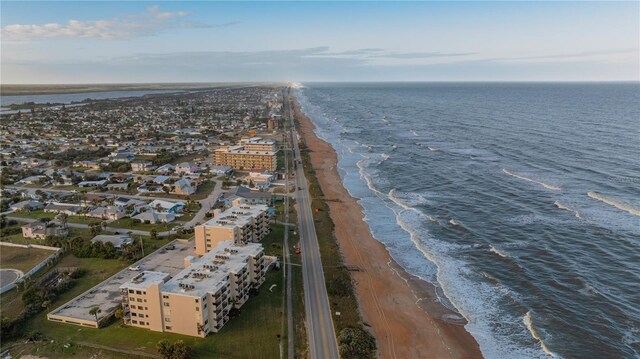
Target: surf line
pixel 545 185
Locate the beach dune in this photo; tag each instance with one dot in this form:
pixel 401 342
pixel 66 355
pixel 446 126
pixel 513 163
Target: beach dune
pixel 402 310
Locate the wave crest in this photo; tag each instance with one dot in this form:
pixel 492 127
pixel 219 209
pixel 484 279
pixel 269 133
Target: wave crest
pixel 528 322
pixel 545 185
pixel 614 203
pixel 562 206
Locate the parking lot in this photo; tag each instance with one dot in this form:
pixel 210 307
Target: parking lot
pixel 106 295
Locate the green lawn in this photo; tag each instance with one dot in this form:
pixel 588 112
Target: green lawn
pixel 83 220
pixel 33 214
pixel 22 258
pixel 129 223
pixel 204 190
pixel 97 271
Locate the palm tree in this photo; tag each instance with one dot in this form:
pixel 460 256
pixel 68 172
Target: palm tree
pixel 95 311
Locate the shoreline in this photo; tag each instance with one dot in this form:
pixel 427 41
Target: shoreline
pixel 401 309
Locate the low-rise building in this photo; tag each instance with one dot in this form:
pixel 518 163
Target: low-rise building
pixel 117 240
pixel 160 205
pixel 107 213
pixel 142 166
pixel 70 209
pixel 183 187
pixel 40 230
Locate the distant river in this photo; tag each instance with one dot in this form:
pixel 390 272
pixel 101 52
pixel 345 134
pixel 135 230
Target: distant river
pixel 520 202
pixel 67 98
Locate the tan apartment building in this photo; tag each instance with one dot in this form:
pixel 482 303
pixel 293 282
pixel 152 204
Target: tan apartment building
pixel 258 144
pixel 197 300
pixel 250 153
pixel 238 158
pixel 241 223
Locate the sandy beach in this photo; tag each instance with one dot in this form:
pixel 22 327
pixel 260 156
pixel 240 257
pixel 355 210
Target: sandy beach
pixel 404 316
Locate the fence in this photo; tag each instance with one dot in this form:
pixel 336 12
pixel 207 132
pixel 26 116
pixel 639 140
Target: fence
pixel 33 270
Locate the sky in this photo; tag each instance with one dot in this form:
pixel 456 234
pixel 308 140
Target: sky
pixel 46 42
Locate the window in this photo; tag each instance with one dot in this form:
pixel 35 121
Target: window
pixel 138 292
pixel 139 300
pixel 131 291
pixel 165 296
pixel 134 321
pixel 197 309
pixel 197 300
pixel 167 327
pixel 168 320
pixel 166 304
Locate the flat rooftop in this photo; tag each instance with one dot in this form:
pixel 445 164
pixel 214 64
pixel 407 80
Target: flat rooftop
pixel 107 293
pixel 236 216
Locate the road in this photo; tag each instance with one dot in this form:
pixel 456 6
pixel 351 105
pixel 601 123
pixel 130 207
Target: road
pixel 320 330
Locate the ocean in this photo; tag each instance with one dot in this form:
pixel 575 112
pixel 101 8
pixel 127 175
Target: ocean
pixel 520 202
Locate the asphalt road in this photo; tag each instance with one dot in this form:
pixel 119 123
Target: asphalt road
pixel 320 330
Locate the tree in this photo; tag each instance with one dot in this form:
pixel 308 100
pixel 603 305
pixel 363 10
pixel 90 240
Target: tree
pixel 356 343
pixel 181 350
pixel 95 311
pixel 177 350
pixel 64 219
pixel 119 313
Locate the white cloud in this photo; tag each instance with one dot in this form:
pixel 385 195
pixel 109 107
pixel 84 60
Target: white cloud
pixel 145 24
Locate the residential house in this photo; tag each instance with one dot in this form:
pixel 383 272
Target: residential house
pixel 66 208
pixel 155 217
pixel 142 166
pixel 107 213
pixel 28 205
pixel 183 187
pixel 221 170
pixel 247 196
pixel 165 169
pixel 92 183
pixel 40 230
pixel 163 206
pixel 187 168
pixel 118 240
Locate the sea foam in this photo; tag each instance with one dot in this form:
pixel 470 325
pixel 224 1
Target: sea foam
pixel 562 206
pixel 545 185
pixel 528 322
pixel 614 203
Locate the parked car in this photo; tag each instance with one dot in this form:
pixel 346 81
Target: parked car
pixel 170 247
pixel 135 268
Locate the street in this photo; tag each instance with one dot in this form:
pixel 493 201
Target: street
pixel 320 329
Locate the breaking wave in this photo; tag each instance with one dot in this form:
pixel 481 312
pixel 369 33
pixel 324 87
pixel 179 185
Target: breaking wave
pixel 545 185
pixel 562 206
pixel 614 203
pixel 494 250
pixel 528 322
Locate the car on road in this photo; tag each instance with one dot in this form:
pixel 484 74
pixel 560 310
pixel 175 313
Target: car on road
pixel 170 247
pixel 134 268
pixel 176 228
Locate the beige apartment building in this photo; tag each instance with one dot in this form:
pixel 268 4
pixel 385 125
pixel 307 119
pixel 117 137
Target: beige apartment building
pixel 197 300
pixel 241 223
pixel 251 153
pixel 258 144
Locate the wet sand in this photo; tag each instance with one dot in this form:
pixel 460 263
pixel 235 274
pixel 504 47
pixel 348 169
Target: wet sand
pixel 404 315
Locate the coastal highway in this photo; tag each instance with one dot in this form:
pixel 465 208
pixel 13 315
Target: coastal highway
pixel 320 330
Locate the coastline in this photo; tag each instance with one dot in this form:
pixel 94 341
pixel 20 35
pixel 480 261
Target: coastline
pixel 402 310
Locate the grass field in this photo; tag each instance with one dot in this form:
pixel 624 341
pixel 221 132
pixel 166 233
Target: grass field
pixel 22 258
pixel 33 214
pixel 204 190
pixel 128 223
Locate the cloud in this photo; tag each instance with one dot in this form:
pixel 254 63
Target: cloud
pixel 146 24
